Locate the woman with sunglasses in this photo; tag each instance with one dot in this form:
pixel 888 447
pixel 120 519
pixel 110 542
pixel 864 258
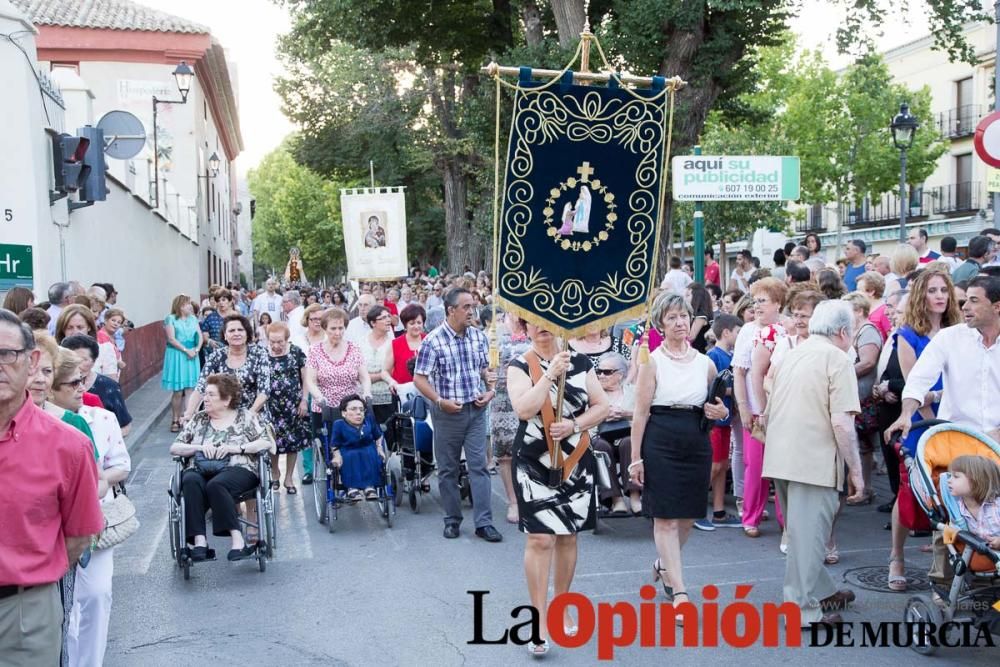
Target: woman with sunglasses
pixel 611 436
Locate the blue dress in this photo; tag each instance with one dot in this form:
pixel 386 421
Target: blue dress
pixel 362 464
pixel 918 343
pixel 179 372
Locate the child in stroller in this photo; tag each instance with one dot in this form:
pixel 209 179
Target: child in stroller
pixel 974 482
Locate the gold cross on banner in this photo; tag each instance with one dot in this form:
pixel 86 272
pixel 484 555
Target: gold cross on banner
pixel 585 171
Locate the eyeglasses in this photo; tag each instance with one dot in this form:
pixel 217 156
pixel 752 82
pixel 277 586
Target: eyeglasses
pixel 72 383
pixel 605 371
pixel 8 357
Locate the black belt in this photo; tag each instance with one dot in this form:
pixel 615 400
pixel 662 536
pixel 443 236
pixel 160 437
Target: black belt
pixel 10 591
pixel 667 409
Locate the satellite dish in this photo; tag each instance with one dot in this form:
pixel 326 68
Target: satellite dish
pixel 124 135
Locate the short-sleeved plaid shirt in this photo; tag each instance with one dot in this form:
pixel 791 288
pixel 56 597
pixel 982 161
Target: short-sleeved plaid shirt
pixel 454 363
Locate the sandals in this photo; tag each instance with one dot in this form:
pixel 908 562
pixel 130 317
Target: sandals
pixel 538 650
pixel 832 556
pixel 355 495
pixel 897 582
pixel 291 490
pixel 658 575
pixel 678 619
pixel 751 531
pixel 371 494
pixel 175 427
pixel 867 500
pixel 275 485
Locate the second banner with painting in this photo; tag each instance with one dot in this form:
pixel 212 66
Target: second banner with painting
pixel 374 221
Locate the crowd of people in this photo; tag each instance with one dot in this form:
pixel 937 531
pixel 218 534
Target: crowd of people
pixel 783 385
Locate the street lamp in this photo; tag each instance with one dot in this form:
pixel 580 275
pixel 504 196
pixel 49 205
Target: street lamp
pixel 904 129
pixel 213 166
pixel 183 76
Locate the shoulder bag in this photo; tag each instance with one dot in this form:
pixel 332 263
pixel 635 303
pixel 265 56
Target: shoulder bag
pixel 120 522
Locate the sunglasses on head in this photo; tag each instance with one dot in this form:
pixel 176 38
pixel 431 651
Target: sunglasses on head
pixel 605 371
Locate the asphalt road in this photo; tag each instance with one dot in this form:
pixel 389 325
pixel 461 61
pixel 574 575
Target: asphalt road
pixel 370 595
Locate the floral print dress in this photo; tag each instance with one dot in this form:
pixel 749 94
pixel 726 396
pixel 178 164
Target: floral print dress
pixel 254 375
pixel 291 431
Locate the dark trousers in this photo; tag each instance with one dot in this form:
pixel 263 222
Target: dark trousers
pixel 220 494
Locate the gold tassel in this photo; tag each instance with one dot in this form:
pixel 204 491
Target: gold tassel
pixel 494 348
pixel 644 349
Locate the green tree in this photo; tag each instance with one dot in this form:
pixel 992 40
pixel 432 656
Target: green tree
pixel 838 124
pixel 714 45
pixel 296 207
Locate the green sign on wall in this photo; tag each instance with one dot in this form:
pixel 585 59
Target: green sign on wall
pixel 16 266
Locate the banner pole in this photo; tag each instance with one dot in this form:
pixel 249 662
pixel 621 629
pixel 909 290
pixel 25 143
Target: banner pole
pixel 699 236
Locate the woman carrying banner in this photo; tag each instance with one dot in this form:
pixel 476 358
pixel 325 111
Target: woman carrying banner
pixel 553 508
pixel 674 462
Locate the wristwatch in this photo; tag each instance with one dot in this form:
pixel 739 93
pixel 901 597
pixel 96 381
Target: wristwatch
pixel 243 449
pixel 576 427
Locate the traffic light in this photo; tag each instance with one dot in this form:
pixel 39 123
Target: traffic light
pixel 93 186
pixel 69 167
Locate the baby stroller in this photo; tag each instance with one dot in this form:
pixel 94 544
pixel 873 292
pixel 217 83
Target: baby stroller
pixel 976 586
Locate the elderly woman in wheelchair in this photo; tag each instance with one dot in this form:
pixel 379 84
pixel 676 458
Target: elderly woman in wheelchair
pixel 220 446
pixel 358 449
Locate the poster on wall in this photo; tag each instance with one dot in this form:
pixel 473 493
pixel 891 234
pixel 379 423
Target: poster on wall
pixel 374 221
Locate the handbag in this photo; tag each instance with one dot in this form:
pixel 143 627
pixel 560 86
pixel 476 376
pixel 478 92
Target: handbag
pixel 603 467
pixel 207 467
pixel 866 421
pixel 614 430
pixel 720 385
pixel 120 522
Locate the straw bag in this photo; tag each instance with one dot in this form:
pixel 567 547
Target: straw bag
pixel 120 522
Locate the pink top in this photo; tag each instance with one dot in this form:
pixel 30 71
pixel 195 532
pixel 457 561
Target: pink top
pixel 881 321
pixel 336 379
pixel 49 493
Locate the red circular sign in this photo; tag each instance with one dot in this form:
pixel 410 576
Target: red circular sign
pixel 987 139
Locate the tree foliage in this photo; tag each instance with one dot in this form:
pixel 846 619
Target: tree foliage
pixel 398 82
pixel 296 207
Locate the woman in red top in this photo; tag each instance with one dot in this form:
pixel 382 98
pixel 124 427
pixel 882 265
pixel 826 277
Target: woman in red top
pixel 405 347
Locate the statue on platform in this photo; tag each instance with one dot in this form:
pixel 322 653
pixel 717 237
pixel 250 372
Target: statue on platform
pixel 294 271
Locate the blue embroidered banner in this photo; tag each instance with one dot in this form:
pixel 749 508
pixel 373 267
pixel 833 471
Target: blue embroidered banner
pixel 581 202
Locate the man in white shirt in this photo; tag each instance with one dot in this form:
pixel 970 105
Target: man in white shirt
pixel 740 277
pixel 59 298
pixel 434 299
pixel 293 310
pixel 918 239
pixel 358 328
pixel 949 256
pixel 676 279
pixel 269 301
pixel 967 358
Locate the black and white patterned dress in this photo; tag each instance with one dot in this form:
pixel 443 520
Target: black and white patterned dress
pixel 572 506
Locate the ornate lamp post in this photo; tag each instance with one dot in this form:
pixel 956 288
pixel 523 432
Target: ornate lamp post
pixel 904 129
pixel 183 75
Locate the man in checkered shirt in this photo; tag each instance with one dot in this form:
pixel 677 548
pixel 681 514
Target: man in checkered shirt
pixel 451 370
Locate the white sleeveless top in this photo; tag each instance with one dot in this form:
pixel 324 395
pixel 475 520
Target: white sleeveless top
pixel 680 383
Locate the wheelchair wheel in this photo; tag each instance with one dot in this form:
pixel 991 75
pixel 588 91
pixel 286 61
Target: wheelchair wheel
pixel 414 499
pixel 319 483
pixel 272 534
pixel 262 559
pixel 331 518
pixel 172 518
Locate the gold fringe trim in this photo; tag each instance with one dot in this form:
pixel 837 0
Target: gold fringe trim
pixel 534 318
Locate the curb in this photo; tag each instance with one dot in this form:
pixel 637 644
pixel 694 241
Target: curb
pixel 141 427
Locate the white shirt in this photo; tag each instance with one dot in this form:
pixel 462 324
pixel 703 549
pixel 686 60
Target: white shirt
pixel 741 280
pixel 676 280
pixel 53 312
pixel 268 303
pixel 433 301
pixel 952 262
pixel 971 377
pixel 297 332
pixel 742 355
pixel 357 330
pixel 108 439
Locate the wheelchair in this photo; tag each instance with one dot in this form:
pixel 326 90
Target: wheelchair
pixel 263 495
pixel 413 442
pixel 329 492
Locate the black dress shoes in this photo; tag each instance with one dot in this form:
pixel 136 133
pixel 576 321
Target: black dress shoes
pixel 241 554
pixel 451 530
pixel 307 479
pixel 489 533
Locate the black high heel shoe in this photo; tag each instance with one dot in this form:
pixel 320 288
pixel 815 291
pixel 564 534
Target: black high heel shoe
pixel 658 575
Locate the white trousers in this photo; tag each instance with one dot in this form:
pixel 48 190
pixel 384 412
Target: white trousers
pixel 88 621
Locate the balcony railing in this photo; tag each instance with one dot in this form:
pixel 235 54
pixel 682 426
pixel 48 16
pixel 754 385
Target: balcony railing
pixel 886 211
pixel 957 198
pixel 960 121
pixel 812 223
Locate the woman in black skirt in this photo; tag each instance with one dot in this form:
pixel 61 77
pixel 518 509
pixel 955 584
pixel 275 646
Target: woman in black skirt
pixel 674 463
pixel 552 514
